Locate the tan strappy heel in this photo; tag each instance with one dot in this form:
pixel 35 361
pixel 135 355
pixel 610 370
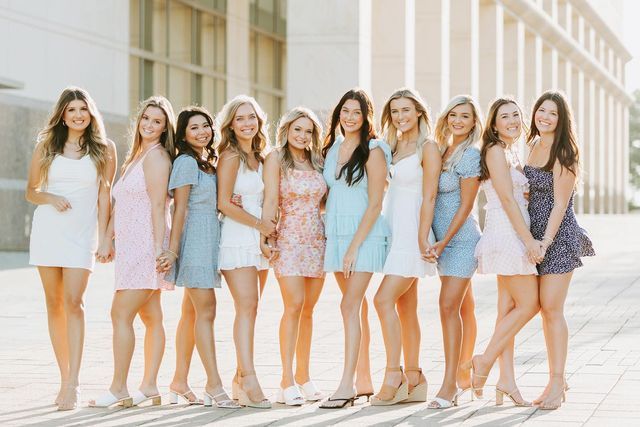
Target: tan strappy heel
pixel 562 396
pixel 478 391
pixel 390 395
pixel 418 392
pixel 500 394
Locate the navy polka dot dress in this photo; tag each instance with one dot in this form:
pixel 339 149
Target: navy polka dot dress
pixel 571 241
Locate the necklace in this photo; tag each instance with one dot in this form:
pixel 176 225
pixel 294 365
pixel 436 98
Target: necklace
pixel 301 162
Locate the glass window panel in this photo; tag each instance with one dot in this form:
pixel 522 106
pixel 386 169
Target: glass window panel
pixel 281 18
pixel 158 30
pixel 266 57
pixel 180 37
pixel 253 59
pixel 207 41
pixel 220 45
pixel 134 82
pixel 196 89
pixel 266 10
pixel 134 19
pixel 209 94
pixel 179 88
pixel 147 78
pixel 221 94
pixel 159 80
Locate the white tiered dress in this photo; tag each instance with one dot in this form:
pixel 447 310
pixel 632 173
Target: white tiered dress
pixel 401 209
pixel 239 243
pixel 70 238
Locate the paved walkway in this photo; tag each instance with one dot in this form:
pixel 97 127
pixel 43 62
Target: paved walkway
pixel 603 366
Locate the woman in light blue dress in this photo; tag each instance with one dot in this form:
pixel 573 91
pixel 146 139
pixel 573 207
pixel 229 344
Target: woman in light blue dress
pixel 192 256
pixel 357 236
pixel 457 133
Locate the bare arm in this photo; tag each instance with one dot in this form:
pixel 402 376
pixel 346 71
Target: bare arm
pixel 431 166
pixel 376 168
pixel 563 184
pixel 104 193
pixel 271 178
pixel 33 193
pixel 228 167
pixel 157 168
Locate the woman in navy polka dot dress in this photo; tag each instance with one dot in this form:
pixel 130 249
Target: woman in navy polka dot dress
pixel 552 170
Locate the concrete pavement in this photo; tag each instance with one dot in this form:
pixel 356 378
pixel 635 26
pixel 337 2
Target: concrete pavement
pixel 603 366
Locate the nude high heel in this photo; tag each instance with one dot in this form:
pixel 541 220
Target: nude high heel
pixel 390 395
pixel 418 392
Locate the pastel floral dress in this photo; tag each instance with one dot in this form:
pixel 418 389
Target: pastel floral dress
pixel 301 240
pixel 135 261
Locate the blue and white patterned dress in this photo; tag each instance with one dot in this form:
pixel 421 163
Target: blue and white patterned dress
pixel 457 258
pixel 197 265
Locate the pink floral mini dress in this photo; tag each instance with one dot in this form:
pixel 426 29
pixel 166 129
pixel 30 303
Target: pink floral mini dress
pixel 301 239
pixel 135 260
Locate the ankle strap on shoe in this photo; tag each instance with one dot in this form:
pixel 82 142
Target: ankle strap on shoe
pixel 246 373
pixel 419 370
pixel 397 369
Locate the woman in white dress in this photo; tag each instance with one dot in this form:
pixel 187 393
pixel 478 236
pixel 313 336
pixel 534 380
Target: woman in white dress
pixel 70 177
pixel 243 139
pixel 408 208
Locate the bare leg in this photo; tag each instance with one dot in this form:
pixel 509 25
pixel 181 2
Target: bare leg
pixel 553 294
pixel 75 283
pixel 292 290
pixel 124 308
pixel 353 290
pixel 312 290
pixel 524 291
pixel 389 292
pixel 245 290
pixel 53 286
pixel 507 379
pixel 185 343
pixel 407 307
pixel 154 341
pixel 469 334
pixel 452 292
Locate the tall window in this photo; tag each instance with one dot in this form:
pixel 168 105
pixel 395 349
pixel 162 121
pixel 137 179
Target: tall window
pixel 178 50
pixel 267 54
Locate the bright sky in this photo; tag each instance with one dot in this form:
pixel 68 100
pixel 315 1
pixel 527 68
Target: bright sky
pixel 631 39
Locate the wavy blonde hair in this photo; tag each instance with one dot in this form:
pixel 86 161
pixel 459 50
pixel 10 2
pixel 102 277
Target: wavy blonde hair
pixel 443 134
pixel 389 130
pixel 313 153
pixel 54 135
pixel 167 139
pixel 227 138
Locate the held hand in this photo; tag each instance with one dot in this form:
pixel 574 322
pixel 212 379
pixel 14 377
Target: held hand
pixel 534 250
pixel 236 199
pixel 105 251
pixel 269 250
pixel 266 228
pixel 349 262
pixel 425 252
pixel 165 261
pixel 60 203
pixel 435 252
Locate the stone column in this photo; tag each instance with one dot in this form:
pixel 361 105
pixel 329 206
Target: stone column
pixel 514 52
pixel 327 53
pixel 532 69
pixel 589 144
pixel 491 66
pixel 432 52
pixel 237 55
pixel 465 46
pixel 393 51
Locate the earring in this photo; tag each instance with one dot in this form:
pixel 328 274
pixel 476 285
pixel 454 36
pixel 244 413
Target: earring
pixel 64 123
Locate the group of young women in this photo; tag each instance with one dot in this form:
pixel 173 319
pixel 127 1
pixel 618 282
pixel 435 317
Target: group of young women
pixel 306 207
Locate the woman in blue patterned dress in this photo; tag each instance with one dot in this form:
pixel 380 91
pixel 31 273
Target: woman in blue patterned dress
pixel 552 170
pixel 355 169
pixel 192 256
pixel 457 132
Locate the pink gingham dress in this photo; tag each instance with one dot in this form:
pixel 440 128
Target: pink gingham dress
pixel 135 256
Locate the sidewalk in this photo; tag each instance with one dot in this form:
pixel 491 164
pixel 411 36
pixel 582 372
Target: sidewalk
pixel 603 365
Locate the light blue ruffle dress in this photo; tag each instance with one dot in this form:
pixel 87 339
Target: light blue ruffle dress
pixel 345 207
pixel 457 258
pixel 197 265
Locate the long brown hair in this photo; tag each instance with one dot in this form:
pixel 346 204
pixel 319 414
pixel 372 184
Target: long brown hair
pixel 356 164
pixel 54 135
pixel 228 140
pixel 424 120
pixel 166 139
pixel 490 135
pixel 183 147
pixel 564 148
pixel 313 153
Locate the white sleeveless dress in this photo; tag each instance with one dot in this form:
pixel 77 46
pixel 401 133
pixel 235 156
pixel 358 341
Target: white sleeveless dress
pixel 401 209
pixel 70 238
pixel 239 243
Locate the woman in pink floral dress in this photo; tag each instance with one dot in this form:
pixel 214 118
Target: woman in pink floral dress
pixel 294 184
pixel 140 223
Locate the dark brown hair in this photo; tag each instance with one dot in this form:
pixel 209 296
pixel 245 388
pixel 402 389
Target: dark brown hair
pixel 182 147
pixel 355 167
pixel 564 148
pixel 490 135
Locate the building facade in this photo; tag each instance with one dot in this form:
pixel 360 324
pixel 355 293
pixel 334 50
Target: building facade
pixel 301 52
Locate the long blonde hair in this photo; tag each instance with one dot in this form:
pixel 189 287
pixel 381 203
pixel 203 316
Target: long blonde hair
pixel 389 130
pixel 167 139
pixel 313 153
pixel 227 138
pixel 54 135
pixel 443 134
